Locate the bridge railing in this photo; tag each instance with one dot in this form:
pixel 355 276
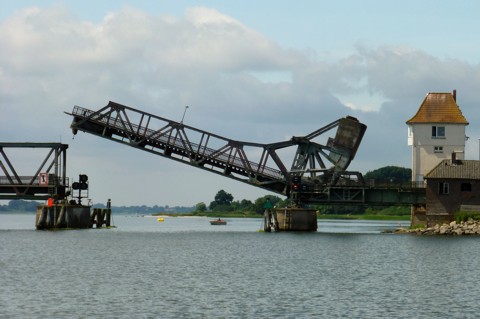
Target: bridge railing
pixel 192 149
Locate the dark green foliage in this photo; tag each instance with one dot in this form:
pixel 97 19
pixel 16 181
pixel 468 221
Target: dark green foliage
pixel 392 174
pixel 201 207
pixel 340 209
pixel 244 206
pixel 389 211
pixel 464 216
pixel 221 199
pixel 260 203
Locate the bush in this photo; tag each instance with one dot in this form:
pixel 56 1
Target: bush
pixel 464 216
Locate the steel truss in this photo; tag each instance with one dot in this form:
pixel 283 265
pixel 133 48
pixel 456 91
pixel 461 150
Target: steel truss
pixel 316 165
pixel 48 180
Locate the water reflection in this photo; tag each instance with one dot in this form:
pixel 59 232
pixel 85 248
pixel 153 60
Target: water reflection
pixel 359 226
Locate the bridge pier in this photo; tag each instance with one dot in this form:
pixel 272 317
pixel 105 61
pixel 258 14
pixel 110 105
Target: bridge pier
pixel 58 216
pixel 290 219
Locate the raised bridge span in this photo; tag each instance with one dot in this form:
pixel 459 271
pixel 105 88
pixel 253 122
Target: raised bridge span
pixel 317 175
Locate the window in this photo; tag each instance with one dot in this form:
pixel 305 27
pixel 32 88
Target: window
pixel 438 131
pixel 438 149
pixel 444 188
pixel 466 187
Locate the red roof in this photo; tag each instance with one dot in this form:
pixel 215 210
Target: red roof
pixel 439 108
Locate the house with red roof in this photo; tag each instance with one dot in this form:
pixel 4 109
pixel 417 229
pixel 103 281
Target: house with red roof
pixel 437 136
pixel 435 132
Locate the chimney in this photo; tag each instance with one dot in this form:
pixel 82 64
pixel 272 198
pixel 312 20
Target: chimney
pixel 455 95
pixel 454 158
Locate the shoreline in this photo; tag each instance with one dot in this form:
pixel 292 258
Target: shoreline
pixel 319 217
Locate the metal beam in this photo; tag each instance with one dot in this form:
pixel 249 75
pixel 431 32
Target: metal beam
pixel 221 155
pixel 14 186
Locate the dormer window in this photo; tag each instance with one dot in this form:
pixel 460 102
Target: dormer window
pixel 438 131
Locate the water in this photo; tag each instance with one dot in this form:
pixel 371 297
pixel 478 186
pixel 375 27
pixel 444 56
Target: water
pixel 186 268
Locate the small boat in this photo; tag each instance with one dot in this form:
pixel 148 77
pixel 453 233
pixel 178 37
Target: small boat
pixel 160 219
pixel 218 222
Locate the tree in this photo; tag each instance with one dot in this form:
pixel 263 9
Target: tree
pixel 260 202
pixel 201 207
pixel 222 199
pixel 393 174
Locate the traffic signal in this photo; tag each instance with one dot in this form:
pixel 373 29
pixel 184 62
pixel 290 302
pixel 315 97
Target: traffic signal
pixel 296 180
pixel 82 184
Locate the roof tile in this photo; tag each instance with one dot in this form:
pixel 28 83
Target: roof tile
pixel 439 108
pixel 461 169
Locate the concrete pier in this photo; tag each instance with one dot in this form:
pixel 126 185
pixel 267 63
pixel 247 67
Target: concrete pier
pixel 62 216
pixel 291 219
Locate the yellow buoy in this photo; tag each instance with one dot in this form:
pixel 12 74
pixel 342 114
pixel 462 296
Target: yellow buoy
pixel 160 219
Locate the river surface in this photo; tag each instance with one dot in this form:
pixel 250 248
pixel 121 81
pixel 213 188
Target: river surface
pixel 186 268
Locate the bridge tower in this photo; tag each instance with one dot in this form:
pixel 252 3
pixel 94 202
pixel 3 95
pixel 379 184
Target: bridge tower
pixel 436 132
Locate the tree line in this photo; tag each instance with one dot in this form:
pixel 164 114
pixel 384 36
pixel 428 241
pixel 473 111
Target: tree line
pixel 224 203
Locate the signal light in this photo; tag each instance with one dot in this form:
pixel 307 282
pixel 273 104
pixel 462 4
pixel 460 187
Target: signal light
pixel 82 184
pixel 296 180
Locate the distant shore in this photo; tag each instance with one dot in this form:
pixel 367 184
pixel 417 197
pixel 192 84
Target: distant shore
pixel 246 215
pixel 325 216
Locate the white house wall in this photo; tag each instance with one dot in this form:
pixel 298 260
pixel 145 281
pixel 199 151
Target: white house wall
pixel 424 156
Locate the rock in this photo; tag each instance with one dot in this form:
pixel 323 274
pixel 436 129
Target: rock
pixel 401 230
pixel 471 227
pixel 443 229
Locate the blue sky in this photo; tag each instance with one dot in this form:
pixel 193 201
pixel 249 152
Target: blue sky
pixel 443 28
pixel 254 71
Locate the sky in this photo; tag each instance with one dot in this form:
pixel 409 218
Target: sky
pixel 248 70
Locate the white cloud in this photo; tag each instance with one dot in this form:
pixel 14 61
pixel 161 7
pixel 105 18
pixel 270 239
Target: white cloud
pixel 238 84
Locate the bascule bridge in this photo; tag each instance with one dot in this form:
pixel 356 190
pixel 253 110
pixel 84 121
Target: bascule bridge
pixel 318 173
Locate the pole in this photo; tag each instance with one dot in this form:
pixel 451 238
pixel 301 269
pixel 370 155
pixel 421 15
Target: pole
pixel 186 107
